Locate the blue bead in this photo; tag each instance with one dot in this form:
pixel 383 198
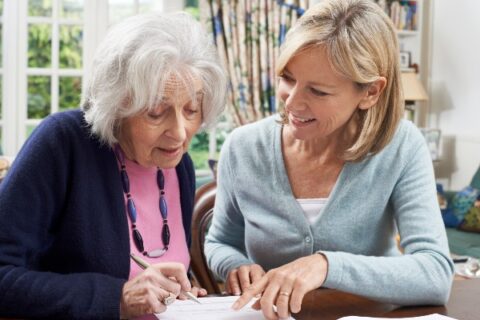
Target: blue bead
pixel 163 207
pixel 132 211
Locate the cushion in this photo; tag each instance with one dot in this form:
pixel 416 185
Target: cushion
pixel 471 221
pixel 476 180
pixel 463 201
pixel 449 219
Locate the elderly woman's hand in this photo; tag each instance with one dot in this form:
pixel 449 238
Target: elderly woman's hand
pixel 196 291
pixel 145 293
pixel 286 286
pixel 238 280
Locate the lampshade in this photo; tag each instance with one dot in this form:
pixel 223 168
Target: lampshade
pixel 412 87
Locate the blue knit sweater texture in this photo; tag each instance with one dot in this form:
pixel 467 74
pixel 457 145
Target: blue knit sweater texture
pixel 258 220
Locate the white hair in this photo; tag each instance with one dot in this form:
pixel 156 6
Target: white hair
pixel 137 58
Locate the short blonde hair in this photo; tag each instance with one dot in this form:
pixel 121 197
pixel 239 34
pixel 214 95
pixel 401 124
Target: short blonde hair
pixel 135 61
pixel 361 45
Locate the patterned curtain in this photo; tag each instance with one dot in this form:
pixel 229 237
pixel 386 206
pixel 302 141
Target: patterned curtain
pixel 248 34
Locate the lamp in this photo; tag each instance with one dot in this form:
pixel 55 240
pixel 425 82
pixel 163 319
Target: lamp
pixel 412 87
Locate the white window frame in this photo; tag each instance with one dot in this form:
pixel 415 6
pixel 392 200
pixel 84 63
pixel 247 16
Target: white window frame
pixel 15 72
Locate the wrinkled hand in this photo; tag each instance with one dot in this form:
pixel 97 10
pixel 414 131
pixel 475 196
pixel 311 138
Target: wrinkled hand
pixel 286 286
pixel 238 280
pixel 197 292
pixel 144 294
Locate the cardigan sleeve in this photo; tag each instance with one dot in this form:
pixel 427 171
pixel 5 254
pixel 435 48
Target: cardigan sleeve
pixel 423 274
pixel 32 198
pixel 225 244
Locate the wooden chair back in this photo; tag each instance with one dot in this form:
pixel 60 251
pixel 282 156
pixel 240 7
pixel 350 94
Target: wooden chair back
pixel 201 219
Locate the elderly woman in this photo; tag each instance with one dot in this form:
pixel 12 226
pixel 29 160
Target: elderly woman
pixel 91 187
pixel 345 174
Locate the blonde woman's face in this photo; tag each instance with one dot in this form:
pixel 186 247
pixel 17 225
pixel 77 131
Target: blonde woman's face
pixel 160 137
pixel 318 101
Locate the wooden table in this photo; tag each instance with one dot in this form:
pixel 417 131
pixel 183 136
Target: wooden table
pixel 326 304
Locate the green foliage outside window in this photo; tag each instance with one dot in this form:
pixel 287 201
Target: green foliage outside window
pixel 71 47
pixel 40 8
pixel 191 6
pixel 39 56
pixel 199 148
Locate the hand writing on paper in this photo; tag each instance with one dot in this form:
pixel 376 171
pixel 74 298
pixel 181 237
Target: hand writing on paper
pixel 241 278
pixel 144 294
pixel 285 287
pixel 197 292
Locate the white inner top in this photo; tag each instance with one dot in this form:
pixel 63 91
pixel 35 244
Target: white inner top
pixel 313 208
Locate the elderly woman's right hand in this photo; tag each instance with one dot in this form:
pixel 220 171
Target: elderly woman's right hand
pixel 239 279
pixel 144 294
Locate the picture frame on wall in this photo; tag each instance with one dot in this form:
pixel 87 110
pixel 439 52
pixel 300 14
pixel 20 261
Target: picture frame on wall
pixel 432 137
pixel 405 59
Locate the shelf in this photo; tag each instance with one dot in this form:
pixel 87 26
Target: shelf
pixel 407 33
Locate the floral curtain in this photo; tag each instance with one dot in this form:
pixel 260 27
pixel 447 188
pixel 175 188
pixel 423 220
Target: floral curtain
pixel 248 34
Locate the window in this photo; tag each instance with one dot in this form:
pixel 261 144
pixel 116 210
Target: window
pixel 54 58
pixel 43 64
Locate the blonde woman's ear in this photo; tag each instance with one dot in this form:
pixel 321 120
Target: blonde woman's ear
pixel 372 94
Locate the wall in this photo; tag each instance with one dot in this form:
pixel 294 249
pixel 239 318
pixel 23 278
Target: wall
pixel 455 88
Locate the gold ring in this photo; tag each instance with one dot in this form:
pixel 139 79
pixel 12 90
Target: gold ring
pixel 284 293
pixel 168 300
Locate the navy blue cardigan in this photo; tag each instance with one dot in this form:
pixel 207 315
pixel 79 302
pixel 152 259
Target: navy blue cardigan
pixel 64 237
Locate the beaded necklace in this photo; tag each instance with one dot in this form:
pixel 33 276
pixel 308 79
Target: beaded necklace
pixel 132 211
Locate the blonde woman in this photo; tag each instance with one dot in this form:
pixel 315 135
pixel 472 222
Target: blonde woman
pixel 315 198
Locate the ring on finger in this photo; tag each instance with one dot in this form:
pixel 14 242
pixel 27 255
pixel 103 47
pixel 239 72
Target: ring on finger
pixel 168 300
pixel 284 293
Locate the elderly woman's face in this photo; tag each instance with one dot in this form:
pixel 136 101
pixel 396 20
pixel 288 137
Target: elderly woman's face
pixel 318 101
pixel 160 137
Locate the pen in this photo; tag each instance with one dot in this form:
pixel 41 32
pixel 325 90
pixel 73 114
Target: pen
pixel 144 265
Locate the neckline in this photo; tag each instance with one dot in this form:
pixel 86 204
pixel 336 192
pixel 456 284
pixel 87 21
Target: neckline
pixel 282 176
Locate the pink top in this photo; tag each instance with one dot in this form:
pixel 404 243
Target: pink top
pixel 145 194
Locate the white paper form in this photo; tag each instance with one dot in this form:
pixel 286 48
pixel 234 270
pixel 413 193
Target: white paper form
pixel 218 308
pixel 434 316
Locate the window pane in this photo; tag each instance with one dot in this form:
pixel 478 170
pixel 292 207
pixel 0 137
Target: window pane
pixel 1 7
pixel 38 97
pixel 146 6
pixel 1 97
pixel 71 9
pixel 120 9
pixel 71 46
pixel 39 45
pixel 40 8
pixel 70 91
pixel 29 130
pixel 1 45
pixel 191 6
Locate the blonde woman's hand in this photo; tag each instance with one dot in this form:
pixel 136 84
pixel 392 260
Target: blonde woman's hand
pixel 239 279
pixel 285 287
pixel 145 293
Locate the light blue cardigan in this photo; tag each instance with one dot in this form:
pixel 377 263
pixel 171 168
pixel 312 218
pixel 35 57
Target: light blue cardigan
pixel 258 220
